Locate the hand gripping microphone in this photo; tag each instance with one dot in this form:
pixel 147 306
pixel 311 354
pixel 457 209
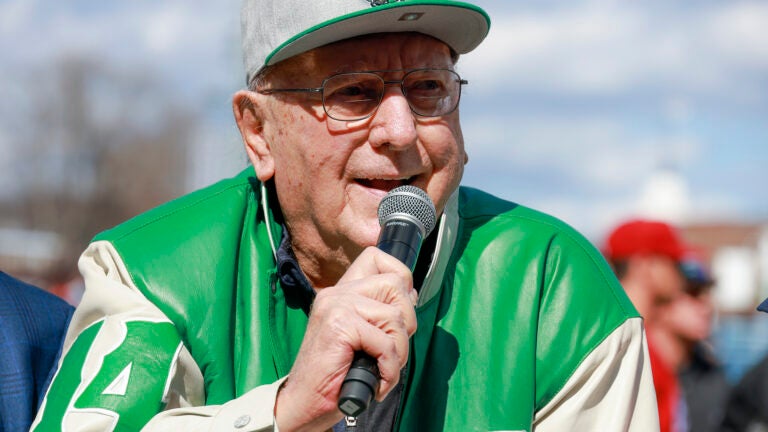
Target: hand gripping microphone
pixel 407 216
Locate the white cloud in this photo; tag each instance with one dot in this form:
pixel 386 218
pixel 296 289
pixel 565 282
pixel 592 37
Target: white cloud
pixel 164 28
pixel 14 14
pixel 738 31
pixel 192 44
pixel 599 153
pixel 573 106
pixel 605 48
pixel 590 171
pixel 593 217
pixel 175 27
pixel 557 47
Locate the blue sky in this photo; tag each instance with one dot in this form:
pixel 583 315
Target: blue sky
pixel 590 110
pixel 586 109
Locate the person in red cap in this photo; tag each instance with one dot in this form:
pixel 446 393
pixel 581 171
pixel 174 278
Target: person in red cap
pixel 646 257
pixel 680 335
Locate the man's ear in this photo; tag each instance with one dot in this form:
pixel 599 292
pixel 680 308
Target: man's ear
pixel 249 115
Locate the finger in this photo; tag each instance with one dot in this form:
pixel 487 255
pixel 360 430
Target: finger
pixel 371 294
pixel 336 310
pixel 390 351
pixel 374 261
pixel 388 319
pixel 381 330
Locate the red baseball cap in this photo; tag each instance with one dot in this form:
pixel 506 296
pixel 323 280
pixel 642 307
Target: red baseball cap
pixel 639 237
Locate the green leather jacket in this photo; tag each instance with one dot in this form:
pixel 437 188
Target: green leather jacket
pixel 521 325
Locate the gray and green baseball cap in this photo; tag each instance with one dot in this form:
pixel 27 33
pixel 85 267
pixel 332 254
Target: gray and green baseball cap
pixel 274 30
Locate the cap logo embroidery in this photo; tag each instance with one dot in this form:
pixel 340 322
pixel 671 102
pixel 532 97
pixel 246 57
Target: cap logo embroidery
pixel 375 3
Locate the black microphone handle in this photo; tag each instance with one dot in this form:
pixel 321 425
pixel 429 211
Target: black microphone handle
pixel 402 239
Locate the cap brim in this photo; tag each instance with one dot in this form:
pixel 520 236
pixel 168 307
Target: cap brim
pixel 461 26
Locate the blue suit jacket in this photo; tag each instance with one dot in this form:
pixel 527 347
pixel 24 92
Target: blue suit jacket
pixel 33 323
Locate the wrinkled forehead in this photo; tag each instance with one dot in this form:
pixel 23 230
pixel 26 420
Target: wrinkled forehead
pixel 382 51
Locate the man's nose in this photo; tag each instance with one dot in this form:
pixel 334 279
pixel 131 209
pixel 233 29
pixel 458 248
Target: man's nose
pixel 393 124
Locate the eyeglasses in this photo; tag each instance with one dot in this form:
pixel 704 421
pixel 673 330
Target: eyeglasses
pixel 697 288
pixel 357 95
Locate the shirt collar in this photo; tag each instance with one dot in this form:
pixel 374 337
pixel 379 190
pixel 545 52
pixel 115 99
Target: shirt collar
pixel 296 287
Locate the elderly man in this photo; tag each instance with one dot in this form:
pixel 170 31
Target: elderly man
pixel 241 306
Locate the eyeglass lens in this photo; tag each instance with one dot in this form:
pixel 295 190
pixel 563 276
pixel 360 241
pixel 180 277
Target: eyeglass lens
pixel 353 96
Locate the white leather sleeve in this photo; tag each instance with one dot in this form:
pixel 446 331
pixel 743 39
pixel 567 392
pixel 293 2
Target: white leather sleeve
pixel 111 303
pixel 612 389
pixel 251 412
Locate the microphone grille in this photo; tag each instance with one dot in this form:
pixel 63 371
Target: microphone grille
pixel 411 202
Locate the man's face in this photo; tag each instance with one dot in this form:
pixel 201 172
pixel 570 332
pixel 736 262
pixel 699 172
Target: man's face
pixel 689 316
pixel 330 175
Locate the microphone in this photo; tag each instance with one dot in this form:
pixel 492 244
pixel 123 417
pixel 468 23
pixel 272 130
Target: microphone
pixel 407 216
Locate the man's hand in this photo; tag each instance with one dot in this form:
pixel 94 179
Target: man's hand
pixel 371 309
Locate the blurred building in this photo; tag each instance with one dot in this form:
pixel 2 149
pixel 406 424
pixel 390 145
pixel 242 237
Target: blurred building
pixel 738 255
pixel 28 254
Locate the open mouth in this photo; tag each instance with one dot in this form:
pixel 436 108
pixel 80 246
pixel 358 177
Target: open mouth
pixel 384 184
